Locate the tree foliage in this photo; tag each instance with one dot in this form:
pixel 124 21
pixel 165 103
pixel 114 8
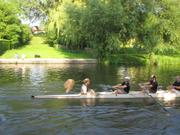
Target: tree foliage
pixel 34 10
pixel 109 25
pixel 11 27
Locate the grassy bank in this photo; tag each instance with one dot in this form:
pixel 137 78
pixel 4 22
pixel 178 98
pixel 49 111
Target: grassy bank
pixel 142 59
pixel 164 60
pixel 37 46
pixel 125 57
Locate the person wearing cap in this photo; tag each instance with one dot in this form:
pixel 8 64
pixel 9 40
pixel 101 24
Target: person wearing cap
pixel 151 86
pixel 175 85
pixel 85 88
pixel 122 88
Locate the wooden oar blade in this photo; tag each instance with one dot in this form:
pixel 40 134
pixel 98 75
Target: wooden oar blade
pixel 69 85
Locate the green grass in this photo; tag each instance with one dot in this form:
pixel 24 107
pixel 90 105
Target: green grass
pixel 37 46
pixel 165 60
pixel 127 59
pixel 132 58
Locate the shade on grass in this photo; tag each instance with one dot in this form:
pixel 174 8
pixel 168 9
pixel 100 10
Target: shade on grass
pixel 38 47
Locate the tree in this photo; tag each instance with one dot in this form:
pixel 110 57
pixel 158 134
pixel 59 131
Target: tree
pixel 34 10
pixel 10 25
pixel 106 26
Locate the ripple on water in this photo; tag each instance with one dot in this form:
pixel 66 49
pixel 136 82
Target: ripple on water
pixel 2 119
pixel 21 115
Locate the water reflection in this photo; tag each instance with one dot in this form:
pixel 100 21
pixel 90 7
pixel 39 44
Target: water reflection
pixel 86 116
pixel 88 102
pixel 2 118
pixel 37 75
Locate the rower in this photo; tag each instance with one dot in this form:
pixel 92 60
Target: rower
pixel 151 86
pixel 68 85
pixel 176 85
pixel 85 88
pixel 122 88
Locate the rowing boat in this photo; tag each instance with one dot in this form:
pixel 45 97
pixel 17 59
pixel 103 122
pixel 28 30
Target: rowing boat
pixel 160 95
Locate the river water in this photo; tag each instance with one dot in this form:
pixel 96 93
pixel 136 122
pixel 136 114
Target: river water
pixel 21 115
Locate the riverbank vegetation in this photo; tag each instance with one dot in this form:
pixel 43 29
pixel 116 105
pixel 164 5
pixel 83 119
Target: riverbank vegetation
pixel 115 32
pixel 39 48
pixel 108 27
pixel 13 34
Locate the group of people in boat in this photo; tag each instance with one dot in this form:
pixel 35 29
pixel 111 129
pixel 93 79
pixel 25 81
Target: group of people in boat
pixel 124 87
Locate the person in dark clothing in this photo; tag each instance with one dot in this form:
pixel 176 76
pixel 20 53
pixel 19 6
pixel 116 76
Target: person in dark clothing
pixel 123 88
pixel 175 85
pixel 151 86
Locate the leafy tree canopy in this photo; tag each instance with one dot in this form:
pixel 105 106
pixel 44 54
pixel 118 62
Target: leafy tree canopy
pixel 10 25
pixel 108 25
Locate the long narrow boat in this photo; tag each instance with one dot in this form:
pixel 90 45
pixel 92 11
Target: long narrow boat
pixel 160 95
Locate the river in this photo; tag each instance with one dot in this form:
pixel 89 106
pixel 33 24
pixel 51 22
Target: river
pixel 21 115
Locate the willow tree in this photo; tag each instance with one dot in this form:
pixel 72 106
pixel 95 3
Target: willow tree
pixel 108 25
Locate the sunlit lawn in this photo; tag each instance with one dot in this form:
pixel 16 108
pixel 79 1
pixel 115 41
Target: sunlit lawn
pixel 37 46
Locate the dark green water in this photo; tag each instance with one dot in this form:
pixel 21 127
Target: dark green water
pixel 21 115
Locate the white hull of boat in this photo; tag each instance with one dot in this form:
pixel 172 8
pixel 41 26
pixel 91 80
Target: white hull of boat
pixel 161 95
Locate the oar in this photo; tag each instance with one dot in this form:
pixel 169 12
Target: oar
pixel 157 102
pixel 107 87
pixel 144 87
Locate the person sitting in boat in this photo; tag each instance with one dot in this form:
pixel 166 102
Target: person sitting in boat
pixel 68 85
pixel 151 86
pixel 124 87
pixel 85 88
pixel 175 85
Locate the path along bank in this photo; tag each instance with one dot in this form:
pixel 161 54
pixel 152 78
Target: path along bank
pixel 47 61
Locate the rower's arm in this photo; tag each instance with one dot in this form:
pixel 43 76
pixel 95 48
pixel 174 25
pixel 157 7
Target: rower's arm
pixel 146 83
pixel 123 86
pixel 116 86
pixel 177 87
pixel 143 84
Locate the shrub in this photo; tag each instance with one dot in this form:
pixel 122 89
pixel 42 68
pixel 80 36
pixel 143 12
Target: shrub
pixel 25 34
pixel 165 50
pixel 4 45
pixel 11 27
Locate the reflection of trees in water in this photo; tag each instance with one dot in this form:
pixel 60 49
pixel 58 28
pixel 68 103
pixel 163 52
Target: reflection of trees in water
pixel 99 74
pixel 66 71
pixel 13 73
pixel 168 73
pixel 37 75
pixel 165 74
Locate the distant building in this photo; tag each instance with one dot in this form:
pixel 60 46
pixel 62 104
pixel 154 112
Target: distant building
pixel 37 30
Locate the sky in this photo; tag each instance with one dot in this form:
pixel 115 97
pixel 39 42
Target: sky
pixel 35 23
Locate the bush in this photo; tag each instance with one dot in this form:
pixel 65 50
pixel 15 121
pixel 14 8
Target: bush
pixel 25 34
pixel 165 50
pixel 51 38
pixel 11 27
pixel 5 45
